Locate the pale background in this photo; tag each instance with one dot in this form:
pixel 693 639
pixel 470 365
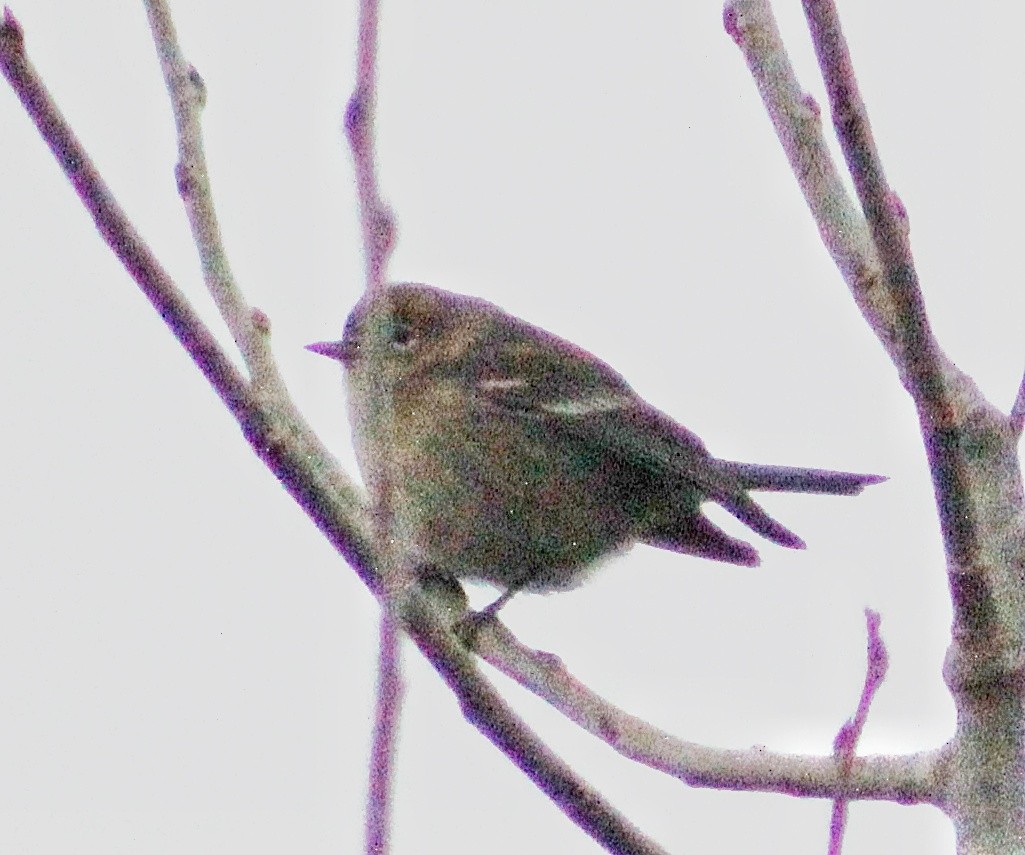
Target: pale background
pixel 186 665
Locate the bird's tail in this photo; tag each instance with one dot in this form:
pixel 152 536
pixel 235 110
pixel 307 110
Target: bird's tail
pixel 753 515
pixel 782 479
pixel 694 534
pixel 788 479
pixel 689 532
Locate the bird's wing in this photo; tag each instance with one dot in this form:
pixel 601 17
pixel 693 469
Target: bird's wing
pixel 537 376
pixel 567 391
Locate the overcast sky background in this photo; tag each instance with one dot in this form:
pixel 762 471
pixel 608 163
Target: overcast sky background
pixel 186 665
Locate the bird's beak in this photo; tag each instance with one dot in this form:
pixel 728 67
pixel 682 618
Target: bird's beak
pixel 340 350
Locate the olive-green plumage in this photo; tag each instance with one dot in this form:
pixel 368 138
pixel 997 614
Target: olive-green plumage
pixel 510 455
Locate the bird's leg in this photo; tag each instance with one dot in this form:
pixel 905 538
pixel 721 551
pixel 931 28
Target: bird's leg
pixel 491 610
pixel 472 622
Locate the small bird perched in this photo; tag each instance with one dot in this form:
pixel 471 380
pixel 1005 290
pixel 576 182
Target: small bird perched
pixel 512 456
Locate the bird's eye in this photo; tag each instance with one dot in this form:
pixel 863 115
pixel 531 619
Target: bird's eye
pixel 401 335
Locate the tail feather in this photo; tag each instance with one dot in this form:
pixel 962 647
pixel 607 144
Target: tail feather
pixel 687 531
pixel 749 512
pixel 787 479
pixel 695 534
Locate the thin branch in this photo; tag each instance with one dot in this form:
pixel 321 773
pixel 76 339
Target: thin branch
pixel 869 246
pixel 971 447
pixel 113 224
pixel 966 438
pixel 188 95
pixel 290 449
pixel 930 379
pixel 797 120
pixel 885 214
pixel 846 742
pixel 386 724
pixel 942 394
pixel 485 708
pixel 378 239
pixel 310 474
pixel 913 778
pixel 375 217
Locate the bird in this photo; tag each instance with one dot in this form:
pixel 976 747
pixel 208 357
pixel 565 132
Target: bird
pixel 509 455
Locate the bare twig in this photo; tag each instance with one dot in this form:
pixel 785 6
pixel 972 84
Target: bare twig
pixel 377 221
pixel 485 708
pixel 971 447
pixel 928 376
pixel 885 214
pixel 382 750
pixel 797 120
pixel 188 95
pixel 972 454
pixel 304 467
pixel 378 239
pixel 846 742
pixel 913 778
pixel 309 473
pixel 114 226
